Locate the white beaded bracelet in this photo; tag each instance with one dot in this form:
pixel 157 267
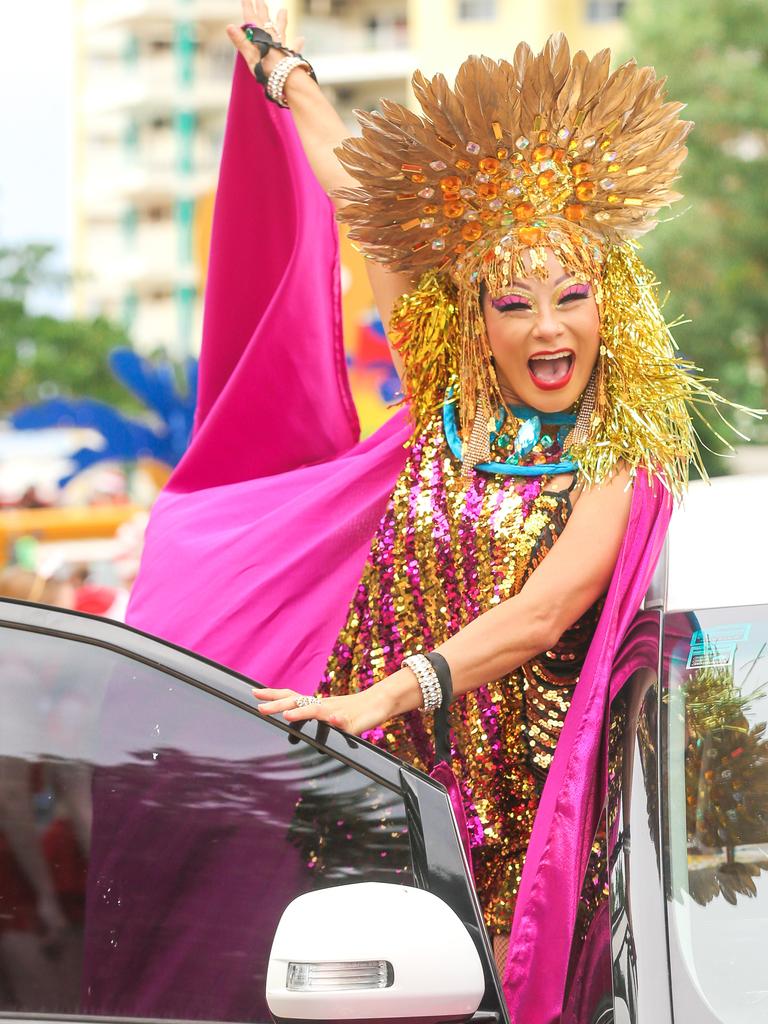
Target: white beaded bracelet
pixel 278 76
pixel 431 693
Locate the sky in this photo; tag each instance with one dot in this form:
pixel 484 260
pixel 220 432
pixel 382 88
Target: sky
pixel 36 43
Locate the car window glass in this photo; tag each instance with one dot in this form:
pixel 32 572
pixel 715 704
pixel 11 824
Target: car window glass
pixel 716 769
pixel 151 834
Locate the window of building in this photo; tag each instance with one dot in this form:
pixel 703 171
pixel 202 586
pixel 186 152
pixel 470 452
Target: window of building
pixel 156 213
pixel 477 10
pixel 605 10
pixel 130 308
pixel 129 222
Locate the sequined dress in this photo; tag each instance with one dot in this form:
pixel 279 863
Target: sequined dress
pixel 447 549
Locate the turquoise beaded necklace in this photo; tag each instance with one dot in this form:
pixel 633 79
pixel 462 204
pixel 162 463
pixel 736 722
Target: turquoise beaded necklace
pixel 526 438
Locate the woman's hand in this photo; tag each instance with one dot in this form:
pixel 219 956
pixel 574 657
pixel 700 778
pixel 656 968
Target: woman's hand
pixel 355 712
pixel 257 13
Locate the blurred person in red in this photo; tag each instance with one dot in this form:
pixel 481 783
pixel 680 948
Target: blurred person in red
pixel 42 865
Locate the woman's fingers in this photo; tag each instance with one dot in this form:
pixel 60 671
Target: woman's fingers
pixel 276 702
pixel 272 693
pixel 261 10
pixel 239 39
pixel 243 45
pixel 281 21
pixel 276 707
pixel 322 712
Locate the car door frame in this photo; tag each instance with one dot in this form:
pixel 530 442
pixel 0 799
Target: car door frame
pixel 646 933
pixel 439 861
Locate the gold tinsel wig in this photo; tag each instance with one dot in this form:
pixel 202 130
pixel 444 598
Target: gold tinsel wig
pixel 546 152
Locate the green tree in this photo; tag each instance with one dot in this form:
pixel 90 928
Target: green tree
pixel 43 356
pixel 713 253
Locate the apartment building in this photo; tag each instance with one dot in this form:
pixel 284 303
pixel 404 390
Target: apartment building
pixel 152 87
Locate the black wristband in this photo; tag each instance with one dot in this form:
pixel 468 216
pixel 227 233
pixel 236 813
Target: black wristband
pixel 441 722
pixel 262 40
pixel 262 77
pixel 443 672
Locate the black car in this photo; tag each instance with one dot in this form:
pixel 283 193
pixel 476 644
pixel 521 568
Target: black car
pixel 168 853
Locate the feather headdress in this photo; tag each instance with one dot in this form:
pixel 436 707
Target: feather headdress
pixel 547 152
pixel 513 146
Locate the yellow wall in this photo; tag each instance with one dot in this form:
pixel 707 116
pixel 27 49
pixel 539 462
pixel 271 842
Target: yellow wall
pixel 441 41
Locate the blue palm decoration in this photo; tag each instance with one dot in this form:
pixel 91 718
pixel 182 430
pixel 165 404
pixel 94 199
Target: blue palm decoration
pixel 125 438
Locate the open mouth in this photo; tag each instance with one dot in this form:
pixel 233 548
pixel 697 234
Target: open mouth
pixel 551 370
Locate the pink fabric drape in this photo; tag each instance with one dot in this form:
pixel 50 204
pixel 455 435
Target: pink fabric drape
pixel 567 818
pixel 256 545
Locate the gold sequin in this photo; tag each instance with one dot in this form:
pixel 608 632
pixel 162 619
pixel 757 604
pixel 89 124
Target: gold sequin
pixel 449 548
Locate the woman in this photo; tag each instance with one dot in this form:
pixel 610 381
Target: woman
pixel 544 404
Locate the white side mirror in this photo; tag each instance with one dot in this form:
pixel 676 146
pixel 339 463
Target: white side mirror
pixel 372 950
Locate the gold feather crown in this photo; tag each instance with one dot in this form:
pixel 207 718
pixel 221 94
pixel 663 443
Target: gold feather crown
pixel 511 147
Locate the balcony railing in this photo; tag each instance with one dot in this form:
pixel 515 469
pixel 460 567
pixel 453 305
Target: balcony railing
pixel 101 14
pixel 340 36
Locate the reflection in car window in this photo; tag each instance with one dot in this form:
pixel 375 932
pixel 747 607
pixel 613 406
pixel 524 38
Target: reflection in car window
pixel 151 835
pixel 717 778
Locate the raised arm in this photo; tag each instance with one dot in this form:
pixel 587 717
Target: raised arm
pixel 321 130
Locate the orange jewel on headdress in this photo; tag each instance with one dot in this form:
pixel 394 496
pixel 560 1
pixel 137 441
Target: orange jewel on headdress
pixel 524 211
pixel 545 180
pixel 451 181
pixel 471 231
pixel 487 189
pixel 586 190
pixel 542 153
pixel 581 170
pixel 575 212
pixel 529 235
pixel 451 195
pixel 489 165
pixel 453 210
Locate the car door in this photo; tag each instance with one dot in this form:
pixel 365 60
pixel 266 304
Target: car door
pixel 688 819
pixel 153 827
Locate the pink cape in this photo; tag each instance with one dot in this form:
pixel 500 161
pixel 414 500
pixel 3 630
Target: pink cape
pixel 256 544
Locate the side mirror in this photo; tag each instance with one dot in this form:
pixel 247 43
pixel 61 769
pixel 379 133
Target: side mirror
pixel 372 950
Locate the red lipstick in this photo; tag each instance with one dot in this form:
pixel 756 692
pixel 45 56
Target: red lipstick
pixel 552 365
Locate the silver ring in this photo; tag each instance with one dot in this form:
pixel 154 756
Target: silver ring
pixel 305 702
